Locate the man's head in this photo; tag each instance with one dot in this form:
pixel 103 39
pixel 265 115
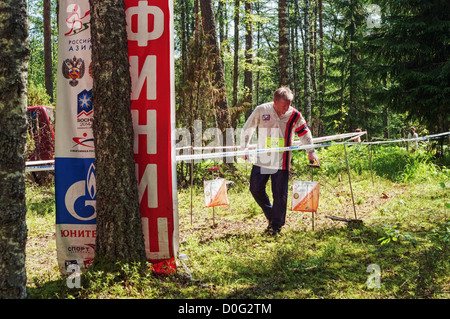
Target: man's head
pixel 282 100
pixel 412 129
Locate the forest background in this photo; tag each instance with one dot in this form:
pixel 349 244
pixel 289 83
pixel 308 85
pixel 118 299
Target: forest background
pixel 380 66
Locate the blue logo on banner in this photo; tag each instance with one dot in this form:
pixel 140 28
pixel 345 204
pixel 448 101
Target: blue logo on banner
pixel 84 103
pixel 75 191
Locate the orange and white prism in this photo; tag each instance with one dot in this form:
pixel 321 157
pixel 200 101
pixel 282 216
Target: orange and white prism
pixel 216 192
pixel 305 196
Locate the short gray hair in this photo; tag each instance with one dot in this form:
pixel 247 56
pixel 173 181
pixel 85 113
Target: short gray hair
pixel 283 93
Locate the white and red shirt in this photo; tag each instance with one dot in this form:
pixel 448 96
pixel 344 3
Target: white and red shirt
pixel 275 132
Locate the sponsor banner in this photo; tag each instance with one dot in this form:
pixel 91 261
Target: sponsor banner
pixel 150 42
pixel 74 136
pixel 75 245
pixel 75 191
pixel 305 196
pixel 150 50
pixel 75 198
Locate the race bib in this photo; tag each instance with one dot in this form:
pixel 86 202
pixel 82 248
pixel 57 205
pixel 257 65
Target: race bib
pixel 274 142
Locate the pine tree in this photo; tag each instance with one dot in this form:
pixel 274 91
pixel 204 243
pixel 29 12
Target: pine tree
pixel 119 228
pixel 413 49
pixel 209 27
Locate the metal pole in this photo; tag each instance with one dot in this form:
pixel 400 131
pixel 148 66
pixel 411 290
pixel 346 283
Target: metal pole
pixel 370 162
pixel 312 213
pixel 214 217
pixel 312 166
pixel 350 181
pixel 192 184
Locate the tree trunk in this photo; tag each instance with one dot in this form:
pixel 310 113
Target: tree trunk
pixel 236 53
pixel 48 66
pixel 119 227
pixel 321 71
pixel 14 55
pixel 283 44
pixel 209 27
pixel 385 115
pixel 296 56
pixel 353 61
pixel 222 16
pixel 183 34
pixel 258 47
pixel 308 104
pixel 248 73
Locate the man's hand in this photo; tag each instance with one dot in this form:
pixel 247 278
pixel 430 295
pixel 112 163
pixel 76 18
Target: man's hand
pixel 245 157
pixel 312 157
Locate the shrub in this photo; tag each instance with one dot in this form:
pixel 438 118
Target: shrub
pixel 37 95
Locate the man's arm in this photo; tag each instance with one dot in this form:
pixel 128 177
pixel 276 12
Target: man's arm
pixel 303 132
pixel 247 131
pixel 249 128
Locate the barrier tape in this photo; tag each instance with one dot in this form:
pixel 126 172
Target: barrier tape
pixel 297 147
pixel 38 166
pixel 428 137
pixel 251 146
pixel 34 166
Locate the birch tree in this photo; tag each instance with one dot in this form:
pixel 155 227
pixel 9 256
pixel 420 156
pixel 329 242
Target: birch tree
pixel 14 54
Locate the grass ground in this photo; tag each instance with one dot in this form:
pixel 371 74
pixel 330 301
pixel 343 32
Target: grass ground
pixel 405 234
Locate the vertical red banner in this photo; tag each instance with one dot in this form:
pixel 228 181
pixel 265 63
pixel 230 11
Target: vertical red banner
pixel 150 51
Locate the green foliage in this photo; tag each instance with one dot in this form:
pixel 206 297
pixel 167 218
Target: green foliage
pixel 397 164
pixel 37 94
pixel 411 49
pixel 393 234
pixel 440 235
pixel 36 73
pixel 372 77
pixel 393 162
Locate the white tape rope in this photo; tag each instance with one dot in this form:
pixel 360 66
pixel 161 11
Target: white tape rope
pixel 428 137
pixel 34 166
pixel 301 147
pixel 37 166
pixel 252 146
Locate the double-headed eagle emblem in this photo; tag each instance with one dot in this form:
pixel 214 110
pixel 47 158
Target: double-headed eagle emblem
pixel 73 69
